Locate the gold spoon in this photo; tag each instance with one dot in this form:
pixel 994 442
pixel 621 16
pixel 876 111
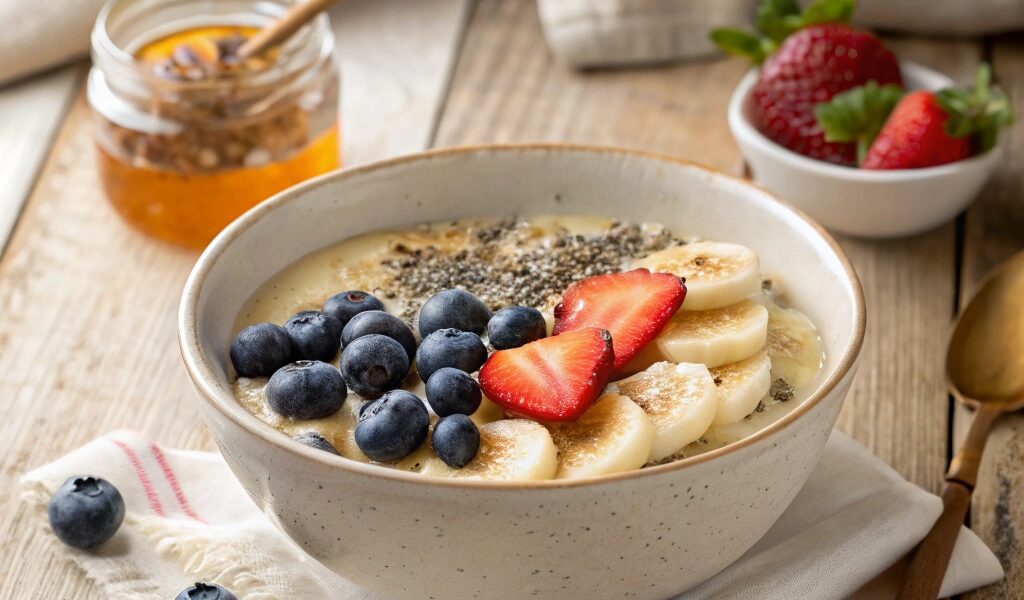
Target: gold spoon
pixel 985 370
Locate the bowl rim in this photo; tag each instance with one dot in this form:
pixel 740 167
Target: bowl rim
pixel 743 129
pixel 196 363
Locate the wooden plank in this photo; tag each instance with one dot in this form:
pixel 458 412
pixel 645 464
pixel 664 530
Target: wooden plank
pixel 994 230
pixel 32 113
pixel 507 88
pixel 88 339
pixel 898 405
pixel 396 61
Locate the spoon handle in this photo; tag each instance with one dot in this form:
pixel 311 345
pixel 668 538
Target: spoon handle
pixel 278 31
pixel 929 562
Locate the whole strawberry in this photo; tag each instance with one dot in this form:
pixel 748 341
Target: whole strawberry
pixel 919 129
pixel 915 136
pixel 807 58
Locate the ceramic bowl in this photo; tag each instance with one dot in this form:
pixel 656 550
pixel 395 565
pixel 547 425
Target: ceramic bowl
pixel 653 532
pixel 878 204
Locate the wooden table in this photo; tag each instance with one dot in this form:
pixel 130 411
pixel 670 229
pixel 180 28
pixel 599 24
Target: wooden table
pixel 87 305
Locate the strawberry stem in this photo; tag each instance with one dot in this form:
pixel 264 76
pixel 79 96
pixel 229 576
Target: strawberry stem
pixel 980 111
pixel 858 114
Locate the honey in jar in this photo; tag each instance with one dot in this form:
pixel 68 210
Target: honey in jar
pixel 189 135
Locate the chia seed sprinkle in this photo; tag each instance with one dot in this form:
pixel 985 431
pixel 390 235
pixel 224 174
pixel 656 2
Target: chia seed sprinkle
pixel 781 390
pixel 510 262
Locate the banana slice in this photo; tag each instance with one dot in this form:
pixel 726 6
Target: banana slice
pixel 680 400
pixel 343 433
pixel 613 436
pixel 713 337
pixel 512 449
pixel 793 345
pixel 717 273
pixel 741 386
pixel 488 412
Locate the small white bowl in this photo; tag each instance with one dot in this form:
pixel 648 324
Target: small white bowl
pixel 864 203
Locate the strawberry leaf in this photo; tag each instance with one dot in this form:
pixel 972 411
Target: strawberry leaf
pixel 980 111
pixel 741 43
pixel 776 19
pixel 828 11
pixel 857 115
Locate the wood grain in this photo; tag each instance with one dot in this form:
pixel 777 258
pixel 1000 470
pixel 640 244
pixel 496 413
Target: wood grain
pixel 88 338
pixel 507 88
pixel 994 230
pixel 396 62
pixel 898 405
pixel 33 111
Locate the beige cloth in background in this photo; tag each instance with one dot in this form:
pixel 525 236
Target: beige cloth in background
pixel 188 519
pixel 43 33
pixel 38 34
pixel 591 33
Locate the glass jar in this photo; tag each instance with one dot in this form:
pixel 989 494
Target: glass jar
pixel 187 137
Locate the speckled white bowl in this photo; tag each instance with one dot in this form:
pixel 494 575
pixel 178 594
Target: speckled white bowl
pixel 649 533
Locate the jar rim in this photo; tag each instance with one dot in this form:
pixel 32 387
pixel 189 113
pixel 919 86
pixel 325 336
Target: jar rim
pixel 312 44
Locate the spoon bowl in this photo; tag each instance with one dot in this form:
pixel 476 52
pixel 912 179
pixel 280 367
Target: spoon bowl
pixel 985 360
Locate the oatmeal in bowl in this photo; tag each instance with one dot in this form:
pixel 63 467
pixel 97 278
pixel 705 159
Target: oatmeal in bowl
pixel 522 348
pixel 490 355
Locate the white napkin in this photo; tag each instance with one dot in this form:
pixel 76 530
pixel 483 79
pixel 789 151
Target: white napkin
pixel 189 520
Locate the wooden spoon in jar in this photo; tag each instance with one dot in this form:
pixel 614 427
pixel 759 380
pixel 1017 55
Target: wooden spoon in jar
pixel 280 30
pixel 985 370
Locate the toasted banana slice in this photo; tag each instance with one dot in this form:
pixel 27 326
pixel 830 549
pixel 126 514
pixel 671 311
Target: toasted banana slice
pixel 488 412
pixel 741 386
pixel 717 273
pixel 512 449
pixel 613 436
pixel 680 400
pixel 713 337
pixel 343 433
pixel 793 345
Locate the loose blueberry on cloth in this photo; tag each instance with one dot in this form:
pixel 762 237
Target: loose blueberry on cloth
pixel 188 520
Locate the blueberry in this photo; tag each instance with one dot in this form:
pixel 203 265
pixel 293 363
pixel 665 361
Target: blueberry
pixel 453 309
pixel 450 348
pixel 315 335
pixel 259 350
pixel 85 512
pixel 374 364
pixel 456 440
pixel 393 426
pixel 514 326
pixel 307 389
pixel 348 304
pixel 315 440
pixel 451 391
pixel 376 321
pixel 205 591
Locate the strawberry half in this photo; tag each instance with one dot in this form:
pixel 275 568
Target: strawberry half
pixel 633 306
pixel 551 379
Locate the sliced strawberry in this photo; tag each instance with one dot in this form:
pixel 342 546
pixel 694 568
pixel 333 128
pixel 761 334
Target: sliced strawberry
pixel 633 306
pixel 551 379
